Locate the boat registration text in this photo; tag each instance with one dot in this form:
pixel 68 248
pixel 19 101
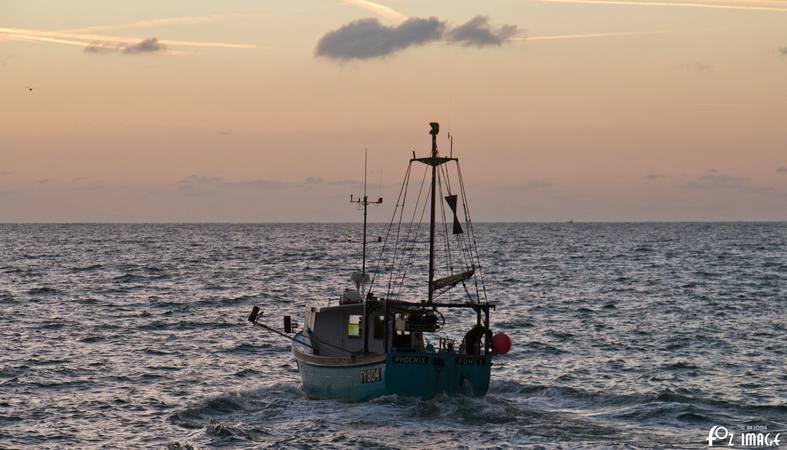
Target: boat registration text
pixel 371 375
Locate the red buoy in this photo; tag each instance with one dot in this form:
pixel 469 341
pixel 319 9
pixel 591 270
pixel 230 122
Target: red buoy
pixel 501 343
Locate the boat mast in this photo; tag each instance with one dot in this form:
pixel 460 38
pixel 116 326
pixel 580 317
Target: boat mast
pixel 435 129
pixel 364 201
pixel 365 207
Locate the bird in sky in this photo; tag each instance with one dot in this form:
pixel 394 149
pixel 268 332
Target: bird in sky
pixel 29 89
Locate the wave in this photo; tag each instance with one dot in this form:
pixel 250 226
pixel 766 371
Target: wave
pixel 43 291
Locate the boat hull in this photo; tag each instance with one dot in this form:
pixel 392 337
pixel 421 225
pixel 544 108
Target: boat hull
pixel 350 383
pixel 421 375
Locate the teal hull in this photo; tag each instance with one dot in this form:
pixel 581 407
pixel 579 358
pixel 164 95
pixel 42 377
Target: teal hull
pixel 421 375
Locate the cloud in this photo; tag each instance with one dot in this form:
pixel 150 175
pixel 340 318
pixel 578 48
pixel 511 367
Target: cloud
pixel 5 173
pixel 711 171
pixel 194 184
pixel 85 40
pixel 369 38
pixel 782 169
pixel 717 182
pixel 478 32
pixel 101 47
pixel 144 46
pixel 655 176
pixel 313 180
pixel 150 45
pixel 257 184
pixel 43 180
pixel 714 181
pixel 783 51
pixel 201 183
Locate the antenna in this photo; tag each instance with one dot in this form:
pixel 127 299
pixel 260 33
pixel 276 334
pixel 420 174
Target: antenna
pixel 364 201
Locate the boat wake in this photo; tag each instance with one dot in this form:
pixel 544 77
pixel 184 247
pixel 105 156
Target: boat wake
pixel 515 412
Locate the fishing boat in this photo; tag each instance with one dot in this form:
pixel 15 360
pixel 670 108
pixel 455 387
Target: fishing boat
pixel 396 332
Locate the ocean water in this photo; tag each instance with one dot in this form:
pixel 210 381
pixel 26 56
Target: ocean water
pixel 625 336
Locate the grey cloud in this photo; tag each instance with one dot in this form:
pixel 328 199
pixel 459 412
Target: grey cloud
pixel 145 46
pixel 711 171
pixel 194 182
pixel 203 181
pixel 313 180
pixel 655 176
pixel 5 172
pixel 724 182
pixel 782 169
pixel 717 181
pixel 369 38
pixel 344 182
pixel 150 45
pixel 321 180
pixel 101 47
pixel 783 51
pixel 478 32
pixel 200 179
pixel 258 184
pixel 43 180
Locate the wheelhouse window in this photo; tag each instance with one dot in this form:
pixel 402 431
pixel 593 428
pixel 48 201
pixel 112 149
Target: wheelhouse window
pixel 354 326
pixel 379 327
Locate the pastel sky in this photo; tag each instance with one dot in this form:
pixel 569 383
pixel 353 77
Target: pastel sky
pixel 259 111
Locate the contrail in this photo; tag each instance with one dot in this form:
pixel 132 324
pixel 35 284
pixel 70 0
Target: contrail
pixel 119 39
pixel 679 4
pixel 381 10
pixel 23 37
pixel 188 20
pixel 560 37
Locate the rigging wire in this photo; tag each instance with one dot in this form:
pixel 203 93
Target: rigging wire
pixel 461 239
pixel 414 240
pixel 387 233
pixel 405 186
pixel 472 234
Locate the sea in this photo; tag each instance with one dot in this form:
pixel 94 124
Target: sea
pixel 625 335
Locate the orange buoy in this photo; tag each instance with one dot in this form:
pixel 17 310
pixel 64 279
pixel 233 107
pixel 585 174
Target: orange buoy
pixel 501 343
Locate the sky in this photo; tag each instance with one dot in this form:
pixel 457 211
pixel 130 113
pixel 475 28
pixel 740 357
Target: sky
pixel 260 111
